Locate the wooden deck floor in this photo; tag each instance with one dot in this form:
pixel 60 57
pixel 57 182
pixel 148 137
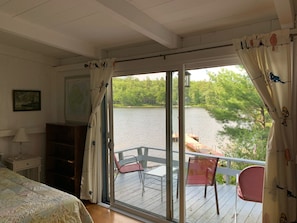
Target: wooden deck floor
pixel 128 189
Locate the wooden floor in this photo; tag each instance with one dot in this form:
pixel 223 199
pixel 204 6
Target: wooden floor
pixel 101 214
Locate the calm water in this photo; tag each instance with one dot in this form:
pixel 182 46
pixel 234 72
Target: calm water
pixel 135 127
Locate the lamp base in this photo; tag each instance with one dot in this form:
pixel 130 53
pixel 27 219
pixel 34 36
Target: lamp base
pixel 20 156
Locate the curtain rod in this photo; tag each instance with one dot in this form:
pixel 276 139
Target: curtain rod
pixel 174 53
pixel 87 65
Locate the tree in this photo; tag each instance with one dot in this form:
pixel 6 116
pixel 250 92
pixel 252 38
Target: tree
pixel 232 99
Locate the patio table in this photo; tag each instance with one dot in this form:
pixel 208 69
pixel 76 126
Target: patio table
pixel 157 175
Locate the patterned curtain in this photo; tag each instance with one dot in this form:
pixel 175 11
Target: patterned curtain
pixel 91 183
pixel 268 60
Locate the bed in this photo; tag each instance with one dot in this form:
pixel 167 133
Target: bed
pixel 24 200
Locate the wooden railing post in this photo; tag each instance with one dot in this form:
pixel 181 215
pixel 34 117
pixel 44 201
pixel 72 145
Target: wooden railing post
pixel 145 155
pixel 227 176
pixel 121 155
pixel 139 154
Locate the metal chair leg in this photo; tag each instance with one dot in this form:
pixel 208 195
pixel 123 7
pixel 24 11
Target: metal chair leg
pixel 217 200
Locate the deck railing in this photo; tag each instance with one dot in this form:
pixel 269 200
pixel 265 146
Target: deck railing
pixel 149 156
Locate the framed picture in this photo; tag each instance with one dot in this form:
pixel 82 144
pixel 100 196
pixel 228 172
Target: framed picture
pixel 77 99
pixel 26 100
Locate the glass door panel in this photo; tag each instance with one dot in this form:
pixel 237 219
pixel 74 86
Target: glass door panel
pixel 139 114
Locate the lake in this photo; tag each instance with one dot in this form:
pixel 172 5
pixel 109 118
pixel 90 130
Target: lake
pixel 135 127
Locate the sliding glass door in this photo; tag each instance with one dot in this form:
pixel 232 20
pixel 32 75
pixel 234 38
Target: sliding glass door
pixel 144 128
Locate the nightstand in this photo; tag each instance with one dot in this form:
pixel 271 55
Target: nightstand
pixel 25 163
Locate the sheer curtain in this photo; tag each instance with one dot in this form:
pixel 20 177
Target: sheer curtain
pixel 268 61
pixel 91 183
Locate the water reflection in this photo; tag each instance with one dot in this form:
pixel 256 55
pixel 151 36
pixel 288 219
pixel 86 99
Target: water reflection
pixel 135 127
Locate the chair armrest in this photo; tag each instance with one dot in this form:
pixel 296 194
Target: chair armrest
pixel 132 159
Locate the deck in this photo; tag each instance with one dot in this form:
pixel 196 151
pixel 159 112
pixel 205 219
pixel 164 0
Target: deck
pixel 128 189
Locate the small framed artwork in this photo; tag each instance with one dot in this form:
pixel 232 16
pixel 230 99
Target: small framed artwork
pixel 26 100
pixel 77 99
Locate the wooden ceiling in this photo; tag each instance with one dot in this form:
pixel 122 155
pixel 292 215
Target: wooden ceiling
pixel 66 28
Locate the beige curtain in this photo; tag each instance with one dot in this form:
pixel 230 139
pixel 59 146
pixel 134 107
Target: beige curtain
pixel 268 61
pixel 91 182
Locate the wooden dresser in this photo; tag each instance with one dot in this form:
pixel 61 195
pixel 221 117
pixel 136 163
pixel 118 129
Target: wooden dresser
pixel 64 156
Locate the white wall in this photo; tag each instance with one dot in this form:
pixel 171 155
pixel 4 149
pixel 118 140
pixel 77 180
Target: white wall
pixel 24 70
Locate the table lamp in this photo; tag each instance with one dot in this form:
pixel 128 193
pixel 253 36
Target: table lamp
pixel 21 137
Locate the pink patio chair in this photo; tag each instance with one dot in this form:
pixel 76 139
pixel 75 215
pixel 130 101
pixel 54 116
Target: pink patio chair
pixel 249 185
pixel 134 166
pixel 202 171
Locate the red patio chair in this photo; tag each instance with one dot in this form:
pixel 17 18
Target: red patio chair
pixel 249 185
pixel 128 167
pixel 202 171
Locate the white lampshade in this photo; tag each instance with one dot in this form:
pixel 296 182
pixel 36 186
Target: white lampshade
pixel 21 136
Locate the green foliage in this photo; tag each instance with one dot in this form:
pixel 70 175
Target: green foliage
pixel 232 97
pixel 233 100
pixel 134 92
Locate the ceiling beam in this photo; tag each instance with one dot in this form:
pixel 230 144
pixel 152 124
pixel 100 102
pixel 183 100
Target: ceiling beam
pixel 140 22
pixel 285 13
pixel 45 36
